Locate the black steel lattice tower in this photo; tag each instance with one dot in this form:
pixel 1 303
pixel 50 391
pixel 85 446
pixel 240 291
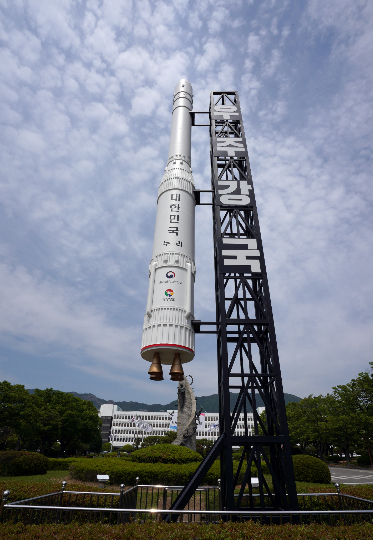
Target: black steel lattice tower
pixel 248 363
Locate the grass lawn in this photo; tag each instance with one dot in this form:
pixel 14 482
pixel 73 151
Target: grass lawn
pixel 51 476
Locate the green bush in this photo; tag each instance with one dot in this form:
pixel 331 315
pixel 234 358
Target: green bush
pixel 311 469
pixel 203 446
pixel 60 464
pixel 333 459
pixel 127 448
pixel 364 459
pixel 167 438
pixel 13 463
pixel 125 472
pixel 165 453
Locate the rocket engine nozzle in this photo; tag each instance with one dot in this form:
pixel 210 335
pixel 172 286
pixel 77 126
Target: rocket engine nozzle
pixel 176 371
pixel 155 370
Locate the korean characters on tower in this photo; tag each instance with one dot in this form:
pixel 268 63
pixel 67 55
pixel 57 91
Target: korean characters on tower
pixel 168 336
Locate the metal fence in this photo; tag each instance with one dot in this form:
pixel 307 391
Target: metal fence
pixel 142 503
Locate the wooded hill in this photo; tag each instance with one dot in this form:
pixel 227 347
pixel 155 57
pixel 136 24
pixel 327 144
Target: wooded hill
pixel 208 403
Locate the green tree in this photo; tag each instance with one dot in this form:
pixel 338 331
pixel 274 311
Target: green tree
pixel 357 399
pixel 47 419
pixel 342 426
pixel 17 416
pixel 127 448
pixel 308 424
pixel 167 438
pixel 79 422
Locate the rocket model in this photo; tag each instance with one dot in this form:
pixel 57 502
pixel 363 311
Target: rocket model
pixel 168 336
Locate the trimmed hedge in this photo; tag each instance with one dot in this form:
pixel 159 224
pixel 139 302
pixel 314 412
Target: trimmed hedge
pixel 18 463
pixel 126 472
pixel 364 460
pixel 311 469
pixel 60 464
pixel 127 448
pixel 165 453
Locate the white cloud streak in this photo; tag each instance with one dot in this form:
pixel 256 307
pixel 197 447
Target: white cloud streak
pixel 85 99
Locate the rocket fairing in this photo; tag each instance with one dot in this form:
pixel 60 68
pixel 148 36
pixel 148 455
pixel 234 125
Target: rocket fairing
pixel 168 335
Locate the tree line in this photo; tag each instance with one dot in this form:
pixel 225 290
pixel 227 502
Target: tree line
pixel 48 421
pixel 338 423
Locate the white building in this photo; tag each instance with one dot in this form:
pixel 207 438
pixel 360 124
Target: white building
pixel 106 414
pixel 126 426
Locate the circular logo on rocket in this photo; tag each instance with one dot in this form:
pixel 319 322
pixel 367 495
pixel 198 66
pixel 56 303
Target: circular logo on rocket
pixel 169 292
pixel 170 274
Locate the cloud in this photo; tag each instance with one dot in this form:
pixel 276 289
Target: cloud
pixel 86 100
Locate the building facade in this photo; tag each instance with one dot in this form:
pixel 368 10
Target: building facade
pixel 106 413
pixel 126 426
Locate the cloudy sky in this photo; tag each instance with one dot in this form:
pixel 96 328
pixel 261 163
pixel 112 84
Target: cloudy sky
pixel 85 105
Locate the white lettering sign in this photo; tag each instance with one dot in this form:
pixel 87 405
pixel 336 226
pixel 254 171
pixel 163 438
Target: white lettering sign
pixel 230 145
pixel 233 185
pixel 226 111
pixel 240 255
pixel 235 199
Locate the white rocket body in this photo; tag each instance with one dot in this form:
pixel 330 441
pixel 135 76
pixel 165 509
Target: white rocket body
pixel 170 305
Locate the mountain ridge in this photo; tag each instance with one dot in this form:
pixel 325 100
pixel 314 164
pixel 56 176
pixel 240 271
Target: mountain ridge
pixel 209 404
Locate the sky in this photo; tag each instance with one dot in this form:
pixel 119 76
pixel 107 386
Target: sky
pixel 86 93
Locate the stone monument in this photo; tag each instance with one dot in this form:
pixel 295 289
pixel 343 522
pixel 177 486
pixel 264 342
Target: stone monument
pixel 186 416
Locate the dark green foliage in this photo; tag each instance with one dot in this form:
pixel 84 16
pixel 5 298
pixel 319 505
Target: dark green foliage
pixel 13 463
pixel 18 416
pixel 203 446
pixel 333 459
pixel 364 460
pixel 56 464
pixel 127 448
pixel 338 422
pixel 106 447
pixel 125 472
pixel 37 421
pixel 165 453
pixel 311 469
pixel 167 438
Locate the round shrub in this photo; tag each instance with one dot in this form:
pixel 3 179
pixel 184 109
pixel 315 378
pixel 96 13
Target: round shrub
pixel 127 448
pixel 13 463
pixel 165 453
pixel 311 469
pixel 364 460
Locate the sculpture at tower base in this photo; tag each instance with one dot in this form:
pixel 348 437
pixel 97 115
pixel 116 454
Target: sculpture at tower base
pixel 186 416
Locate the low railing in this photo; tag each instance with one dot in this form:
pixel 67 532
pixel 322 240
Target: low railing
pixel 142 503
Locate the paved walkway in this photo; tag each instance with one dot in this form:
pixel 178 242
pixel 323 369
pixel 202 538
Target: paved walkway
pixel 343 475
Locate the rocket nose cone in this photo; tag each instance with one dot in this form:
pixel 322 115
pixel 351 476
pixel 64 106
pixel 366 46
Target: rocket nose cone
pixel 184 86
